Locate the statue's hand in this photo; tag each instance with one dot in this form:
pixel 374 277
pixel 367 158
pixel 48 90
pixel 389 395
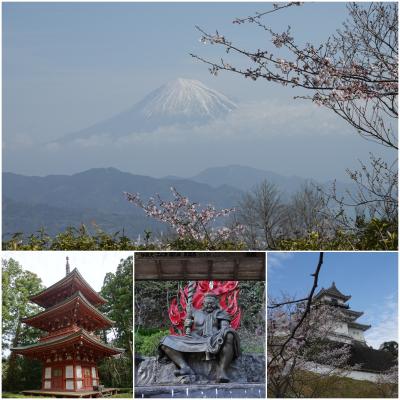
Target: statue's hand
pixel 187 323
pixel 224 324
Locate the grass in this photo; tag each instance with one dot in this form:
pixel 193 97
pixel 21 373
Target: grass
pixel 124 395
pixel 308 384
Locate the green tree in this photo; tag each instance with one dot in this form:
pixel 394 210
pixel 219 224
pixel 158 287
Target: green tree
pixel 18 286
pixel 118 291
pixel 391 347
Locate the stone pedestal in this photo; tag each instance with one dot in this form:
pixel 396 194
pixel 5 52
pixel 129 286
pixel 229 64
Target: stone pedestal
pixel 248 368
pixel 223 390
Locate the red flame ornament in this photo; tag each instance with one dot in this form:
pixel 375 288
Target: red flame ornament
pixel 227 292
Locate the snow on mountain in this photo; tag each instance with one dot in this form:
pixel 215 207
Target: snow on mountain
pixel 182 102
pixel 186 97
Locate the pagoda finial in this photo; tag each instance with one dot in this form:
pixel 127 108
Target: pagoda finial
pixel 333 284
pixel 67 269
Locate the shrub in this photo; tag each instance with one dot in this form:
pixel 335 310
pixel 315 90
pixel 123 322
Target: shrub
pixel 147 341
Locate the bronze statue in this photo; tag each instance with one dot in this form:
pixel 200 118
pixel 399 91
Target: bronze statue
pixel 210 333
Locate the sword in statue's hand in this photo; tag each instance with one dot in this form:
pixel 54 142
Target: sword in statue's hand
pixel 189 308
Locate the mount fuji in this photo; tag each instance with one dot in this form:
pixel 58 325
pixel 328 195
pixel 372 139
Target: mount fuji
pixel 181 103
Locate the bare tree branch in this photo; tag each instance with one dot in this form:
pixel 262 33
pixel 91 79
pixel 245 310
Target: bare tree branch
pixel 309 298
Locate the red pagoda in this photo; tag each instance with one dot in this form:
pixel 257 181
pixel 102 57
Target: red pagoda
pixel 69 350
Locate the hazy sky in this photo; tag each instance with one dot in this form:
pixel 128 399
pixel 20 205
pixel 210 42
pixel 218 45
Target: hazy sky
pixel 69 65
pixel 369 277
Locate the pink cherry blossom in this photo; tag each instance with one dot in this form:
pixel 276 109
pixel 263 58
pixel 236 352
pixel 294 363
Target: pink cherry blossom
pixel 188 219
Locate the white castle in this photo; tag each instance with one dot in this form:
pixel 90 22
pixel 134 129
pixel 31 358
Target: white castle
pixel 347 329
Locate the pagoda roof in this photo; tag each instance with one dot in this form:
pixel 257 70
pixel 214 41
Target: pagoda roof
pixel 48 297
pixel 64 306
pixel 333 292
pixel 357 325
pixel 69 339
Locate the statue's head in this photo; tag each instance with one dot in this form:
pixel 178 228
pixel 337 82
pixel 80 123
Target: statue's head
pixel 210 302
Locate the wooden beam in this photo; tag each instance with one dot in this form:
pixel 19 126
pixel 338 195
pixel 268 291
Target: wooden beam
pixel 210 269
pixel 230 266
pixel 184 264
pixel 236 269
pixel 159 269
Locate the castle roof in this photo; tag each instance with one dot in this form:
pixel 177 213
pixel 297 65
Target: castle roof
pixel 332 291
pixel 357 325
pixel 354 314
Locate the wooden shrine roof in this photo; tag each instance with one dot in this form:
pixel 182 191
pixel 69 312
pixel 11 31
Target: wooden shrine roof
pixel 47 297
pixel 76 302
pixel 200 266
pixel 80 336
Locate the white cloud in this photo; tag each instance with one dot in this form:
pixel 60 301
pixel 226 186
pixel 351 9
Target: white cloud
pixel 297 139
pixel 250 120
pixel 383 320
pixel 277 259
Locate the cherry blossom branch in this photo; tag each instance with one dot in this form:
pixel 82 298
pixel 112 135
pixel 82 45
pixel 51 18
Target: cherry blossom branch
pixel 276 7
pixel 188 219
pixel 354 73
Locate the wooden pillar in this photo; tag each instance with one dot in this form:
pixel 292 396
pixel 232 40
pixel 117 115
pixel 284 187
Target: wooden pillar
pixel 73 366
pixel 43 371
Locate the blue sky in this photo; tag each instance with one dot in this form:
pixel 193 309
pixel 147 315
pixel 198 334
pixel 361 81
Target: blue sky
pixel 69 65
pixel 370 278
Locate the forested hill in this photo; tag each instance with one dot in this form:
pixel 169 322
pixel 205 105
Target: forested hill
pixel 94 196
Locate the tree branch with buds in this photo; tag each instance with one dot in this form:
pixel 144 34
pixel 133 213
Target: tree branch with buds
pixel 188 219
pixel 354 73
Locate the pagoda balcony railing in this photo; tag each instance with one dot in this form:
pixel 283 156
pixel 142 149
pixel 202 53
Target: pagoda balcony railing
pixel 59 332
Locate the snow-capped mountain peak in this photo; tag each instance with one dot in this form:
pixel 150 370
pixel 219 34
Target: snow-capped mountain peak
pixel 187 98
pixel 181 102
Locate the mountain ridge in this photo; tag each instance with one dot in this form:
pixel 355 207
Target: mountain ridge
pixel 58 201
